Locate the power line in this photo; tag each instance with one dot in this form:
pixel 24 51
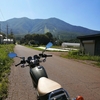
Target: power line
pixel 0 28
pixel 0 18
pixel 7 27
pixel 2 14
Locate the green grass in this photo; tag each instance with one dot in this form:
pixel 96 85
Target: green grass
pixel 5 63
pixel 34 47
pixel 77 55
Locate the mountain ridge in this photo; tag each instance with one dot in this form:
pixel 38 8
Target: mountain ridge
pixel 54 25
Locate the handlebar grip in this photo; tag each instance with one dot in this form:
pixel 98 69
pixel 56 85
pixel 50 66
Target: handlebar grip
pixel 49 55
pixel 45 55
pixel 17 64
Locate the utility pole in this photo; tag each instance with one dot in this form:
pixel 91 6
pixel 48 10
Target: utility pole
pixel 0 35
pixel 7 33
pixel 0 28
pixel 11 36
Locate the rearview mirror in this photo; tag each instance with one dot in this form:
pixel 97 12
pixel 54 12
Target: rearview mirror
pixel 12 55
pixel 49 45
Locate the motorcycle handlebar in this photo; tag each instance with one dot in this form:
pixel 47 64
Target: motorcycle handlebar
pixel 17 64
pixel 41 55
pixel 44 55
pixel 21 62
pixel 49 55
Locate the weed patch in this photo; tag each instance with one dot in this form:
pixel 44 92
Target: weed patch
pixel 77 55
pixel 5 63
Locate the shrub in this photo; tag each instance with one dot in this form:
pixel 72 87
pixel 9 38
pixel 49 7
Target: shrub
pixel 78 55
pixel 5 63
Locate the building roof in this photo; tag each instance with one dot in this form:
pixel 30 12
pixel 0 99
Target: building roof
pixel 89 37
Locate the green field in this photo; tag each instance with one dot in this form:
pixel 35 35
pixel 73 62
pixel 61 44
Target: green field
pixel 77 55
pixel 5 63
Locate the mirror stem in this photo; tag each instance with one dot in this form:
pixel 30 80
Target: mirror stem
pixel 44 50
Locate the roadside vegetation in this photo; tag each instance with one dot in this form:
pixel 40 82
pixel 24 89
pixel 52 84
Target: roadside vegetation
pixel 37 39
pixel 77 55
pixel 5 63
pixel 37 47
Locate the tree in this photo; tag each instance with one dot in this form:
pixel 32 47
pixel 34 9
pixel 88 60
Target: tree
pixel 28 37
pixel 22 41
pixel 50 36
pixel 44 39
pixel 11 36
pixel 37 39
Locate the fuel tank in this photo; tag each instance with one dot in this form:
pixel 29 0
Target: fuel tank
pixel 36 73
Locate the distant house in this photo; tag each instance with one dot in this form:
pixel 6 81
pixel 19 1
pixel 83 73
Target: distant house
pixel 90 44
pixel 66 44
pixel 1 39
pixel 7 40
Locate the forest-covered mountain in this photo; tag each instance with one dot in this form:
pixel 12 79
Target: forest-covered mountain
pixel 22 26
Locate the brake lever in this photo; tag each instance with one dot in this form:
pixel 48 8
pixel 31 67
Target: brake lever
pixel 22 65
pixel 44 60
pixel 17 64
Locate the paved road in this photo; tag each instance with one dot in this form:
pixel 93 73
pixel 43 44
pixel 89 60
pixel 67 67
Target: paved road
pixel 77 78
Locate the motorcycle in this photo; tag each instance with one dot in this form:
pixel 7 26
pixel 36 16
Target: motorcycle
pixel 46 88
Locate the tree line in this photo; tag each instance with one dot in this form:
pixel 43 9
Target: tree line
pixel 43 39
pixel 38 39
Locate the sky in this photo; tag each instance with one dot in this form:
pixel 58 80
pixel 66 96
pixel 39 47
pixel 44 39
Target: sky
pixel 85 13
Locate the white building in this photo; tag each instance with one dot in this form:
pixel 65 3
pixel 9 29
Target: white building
pixel 7 40
pixel 66 44
pixel 1 39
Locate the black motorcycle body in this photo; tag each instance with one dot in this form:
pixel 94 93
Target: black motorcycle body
pixel 46 88
pixel 36 73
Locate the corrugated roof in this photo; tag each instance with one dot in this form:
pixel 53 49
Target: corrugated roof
pixel 89 36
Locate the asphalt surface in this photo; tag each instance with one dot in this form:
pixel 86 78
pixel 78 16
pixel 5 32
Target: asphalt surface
pixel 77 78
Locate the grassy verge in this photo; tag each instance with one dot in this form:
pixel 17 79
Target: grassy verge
pixel 5 63
pixel 34 47
pixel 77 55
